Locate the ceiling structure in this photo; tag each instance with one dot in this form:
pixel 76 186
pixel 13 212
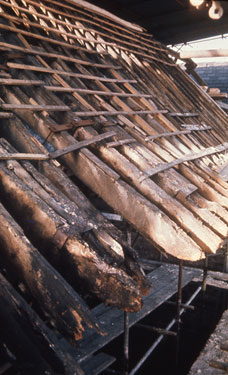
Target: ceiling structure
pixel 170 21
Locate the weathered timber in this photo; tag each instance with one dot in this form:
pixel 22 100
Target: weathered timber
pixel 41 52
pixel 186 158
pixel 21 156
pixel 20 82
pixel 194 227
pixel 44 38
pixel 54 296
pixel 130 204
pixel 64 73
pixel 215 201
pixel 75 27
pixel 31 107
pixel 34 343
pixel 160 81
pixel 177 186
pixel 6 115
pixel 95 92
pixel 116 113
pixel 98 271
pixel 79 145
pixel 186 114
pixel 107 234
pixel 62 32
pixel 180 132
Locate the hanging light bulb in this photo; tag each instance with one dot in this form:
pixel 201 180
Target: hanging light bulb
pixel 216 10
pixel 196 3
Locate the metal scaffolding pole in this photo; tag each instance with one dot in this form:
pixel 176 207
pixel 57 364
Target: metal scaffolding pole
pixel 126 325
pixel 159 339
pixel 179 302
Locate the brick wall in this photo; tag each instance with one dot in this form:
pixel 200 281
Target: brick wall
pixel 215 75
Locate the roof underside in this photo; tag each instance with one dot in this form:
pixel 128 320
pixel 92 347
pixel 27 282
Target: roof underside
pixel 125 121
pixel 170 21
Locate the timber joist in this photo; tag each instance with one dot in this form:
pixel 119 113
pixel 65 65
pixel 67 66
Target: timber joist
pixel 109 103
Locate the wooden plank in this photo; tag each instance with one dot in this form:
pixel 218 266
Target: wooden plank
pixel 96 92
pixel 6 115
pixel 164 280
pixel 116 113
pixel 64 73
pixel 191 157
pixel 95 364
pixel 20 82
pixel 79 145
pixel 41 52
pixel 31 107
pixel 186 114
pixel 22 156
pixel 180 132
